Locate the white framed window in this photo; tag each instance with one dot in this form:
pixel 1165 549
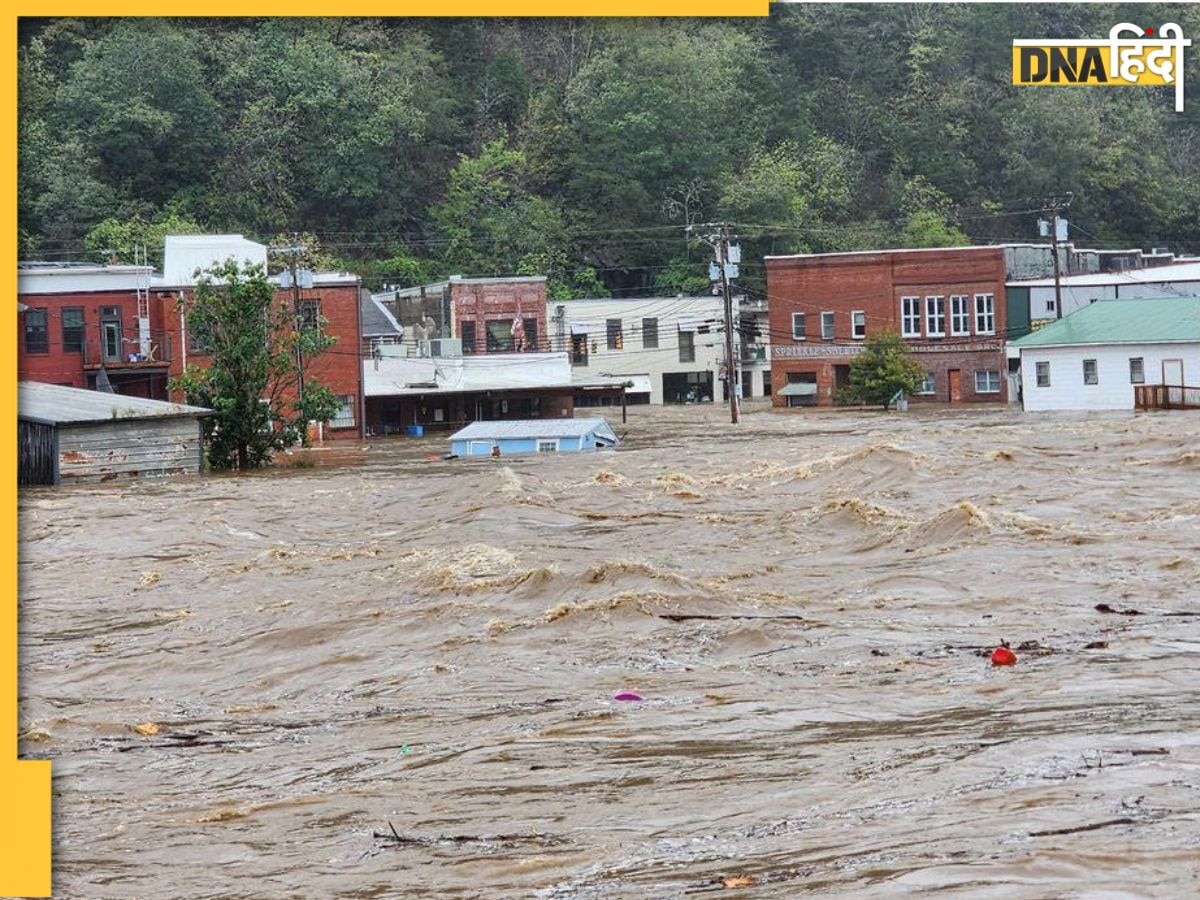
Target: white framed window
pixel 910 316
pixel 1137 370
pixel 547 446
pixel 344 417
pixel 960 315
pixel 1050 305
pixel 858 324
pixel 935 317
pixel 798 333
pixel 985 314
pixel 827 323
pixel 929 385
pixel 1043 374
pixel 1091 374
pixel 987 382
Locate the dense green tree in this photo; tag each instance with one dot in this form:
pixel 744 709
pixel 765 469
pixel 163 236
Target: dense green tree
pixel 259 358
pixel 882 370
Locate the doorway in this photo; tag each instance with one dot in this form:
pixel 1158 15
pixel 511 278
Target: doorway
pixel 955 385
pixel 1173 372
pixel 110 333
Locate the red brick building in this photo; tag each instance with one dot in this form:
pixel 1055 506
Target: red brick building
pixel 486 310
pixel 81 325
pixel 948 304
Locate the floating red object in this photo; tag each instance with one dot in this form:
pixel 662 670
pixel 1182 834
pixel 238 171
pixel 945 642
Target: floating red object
pixel 1002 656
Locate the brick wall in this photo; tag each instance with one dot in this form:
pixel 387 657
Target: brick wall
pixel 872 285
pixel 495 300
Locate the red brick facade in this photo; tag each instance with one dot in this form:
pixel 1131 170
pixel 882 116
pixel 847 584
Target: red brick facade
pixel 958 339
pixel 484 310
pixel 141 365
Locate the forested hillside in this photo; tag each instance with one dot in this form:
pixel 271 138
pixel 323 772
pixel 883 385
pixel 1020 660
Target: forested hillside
pixel 580 148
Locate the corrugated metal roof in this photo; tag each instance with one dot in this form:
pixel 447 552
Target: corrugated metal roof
pixel 1177 271
pixel 53 404
pixel 532 428
pixel 1144 321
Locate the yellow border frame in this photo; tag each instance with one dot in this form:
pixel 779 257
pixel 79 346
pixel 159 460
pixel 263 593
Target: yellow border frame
pixel 25 787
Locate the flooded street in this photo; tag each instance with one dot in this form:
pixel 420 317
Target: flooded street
pixel 805 603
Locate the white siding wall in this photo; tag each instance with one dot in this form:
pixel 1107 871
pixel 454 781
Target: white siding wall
pixel 633 358
pixel 1114 390
pixel 1076 298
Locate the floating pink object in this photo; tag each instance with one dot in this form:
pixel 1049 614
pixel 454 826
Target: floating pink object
pixel 628 695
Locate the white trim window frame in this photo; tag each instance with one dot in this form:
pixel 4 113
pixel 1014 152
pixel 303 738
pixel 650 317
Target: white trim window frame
pixel 828 323
pixel 1091 372
pixel 960 315
pixel 799 334
pixel 547 445
pixel 929 386
pixel 858 324
pixel 990 383
pixel 910 317
pixel 1137 370
pixel 1042 373
pixel 985 313
pixel 935 316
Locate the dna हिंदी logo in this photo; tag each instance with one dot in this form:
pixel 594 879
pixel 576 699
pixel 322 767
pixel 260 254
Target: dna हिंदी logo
pixel 1129 56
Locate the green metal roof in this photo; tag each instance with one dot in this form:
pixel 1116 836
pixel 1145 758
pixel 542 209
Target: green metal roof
pixel 1144 321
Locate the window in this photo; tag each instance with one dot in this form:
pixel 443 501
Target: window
pixel 650 333
pixel 798 331
pixel 344 417
pixel 499 336
pixel 910 316
pixel 531 335
pixel 827 323
pixel 960 315
pixel 467 334
pixel 935 317
pixel 858 324
pixel 613 327
pixel 1043 374
pixel 929 385
pixel 1050 305
pixel 37 336
pixel 198 339
pixel 1090 374
pixel 1137 370
pixel 579 349
pixel 547 446
pixel 687 346
pixel 72 329
pixel 987 381
pixel 985 314
pixel 310 315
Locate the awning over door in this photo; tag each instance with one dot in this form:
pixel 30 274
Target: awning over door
pixel 799 389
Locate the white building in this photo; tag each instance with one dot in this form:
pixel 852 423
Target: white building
pixel 1177 279
pixel 671 349
pixel 1094 358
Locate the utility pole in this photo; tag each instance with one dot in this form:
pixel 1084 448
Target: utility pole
pixel 730 377
pixel 1053 205
pixel 294 252
pixel 719 241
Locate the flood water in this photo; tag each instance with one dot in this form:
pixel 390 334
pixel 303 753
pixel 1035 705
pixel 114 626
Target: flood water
pixel 319 655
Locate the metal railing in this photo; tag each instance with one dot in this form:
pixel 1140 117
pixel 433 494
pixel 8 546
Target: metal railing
pixel 1166 396
pixel 126 347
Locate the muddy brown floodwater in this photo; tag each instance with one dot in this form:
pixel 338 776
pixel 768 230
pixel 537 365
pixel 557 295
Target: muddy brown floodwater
pixel 804 603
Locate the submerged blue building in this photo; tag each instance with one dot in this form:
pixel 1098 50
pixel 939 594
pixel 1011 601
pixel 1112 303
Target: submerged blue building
pixel 533 436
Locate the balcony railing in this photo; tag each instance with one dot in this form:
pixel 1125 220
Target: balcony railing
pixel 123 348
